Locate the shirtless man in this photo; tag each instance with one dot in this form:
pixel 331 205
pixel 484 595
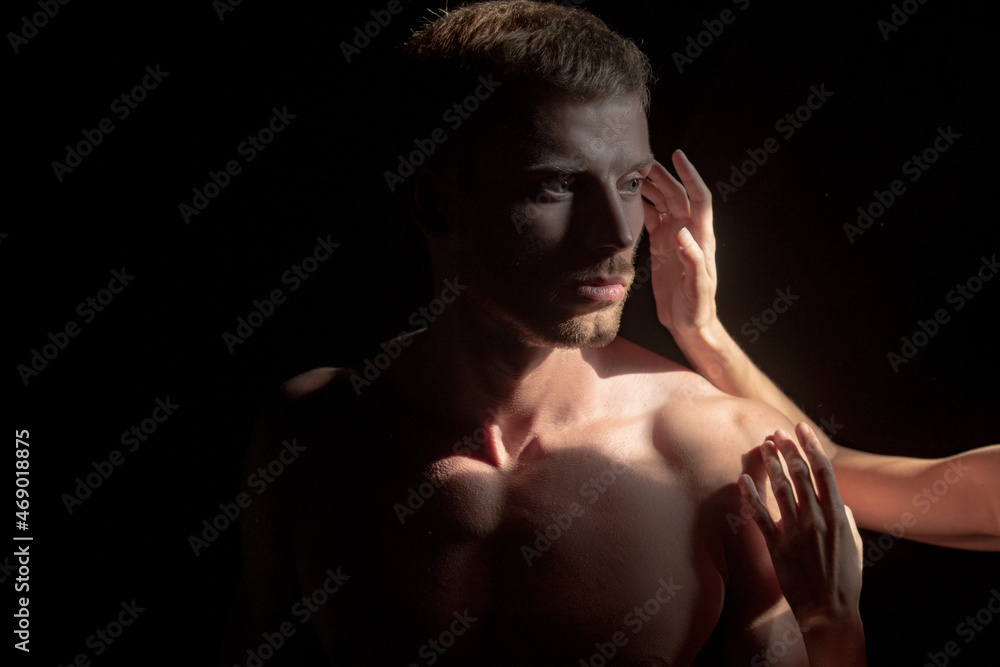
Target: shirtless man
pixel 522 487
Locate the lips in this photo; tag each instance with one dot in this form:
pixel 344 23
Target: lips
pixel 601 292
pixel 602 288
pixel 600 280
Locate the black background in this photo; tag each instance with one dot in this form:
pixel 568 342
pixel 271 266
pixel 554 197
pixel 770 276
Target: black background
pixel 323 175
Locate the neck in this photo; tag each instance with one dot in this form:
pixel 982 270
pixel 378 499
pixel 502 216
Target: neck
pixel 479 372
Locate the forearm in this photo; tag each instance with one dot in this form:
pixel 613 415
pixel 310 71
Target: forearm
pixel 715 355
pixel 953 501
pixel 880 489
pixel 839 644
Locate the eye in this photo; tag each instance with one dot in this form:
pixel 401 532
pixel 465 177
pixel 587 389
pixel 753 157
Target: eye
pixel 560 185
pixel 633 185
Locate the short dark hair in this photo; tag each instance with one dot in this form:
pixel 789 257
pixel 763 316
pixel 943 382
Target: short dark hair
pixel 566 49
pixel 529 47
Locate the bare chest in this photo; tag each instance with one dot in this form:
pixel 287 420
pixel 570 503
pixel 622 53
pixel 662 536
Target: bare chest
pixel 585 550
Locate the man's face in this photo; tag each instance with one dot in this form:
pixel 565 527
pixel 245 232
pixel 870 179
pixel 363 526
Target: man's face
pixel 548 218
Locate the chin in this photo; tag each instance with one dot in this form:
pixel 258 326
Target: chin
pixel 549 325
pixel 591 330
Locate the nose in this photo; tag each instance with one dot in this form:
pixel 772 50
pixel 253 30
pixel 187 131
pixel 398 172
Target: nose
pixel 608 221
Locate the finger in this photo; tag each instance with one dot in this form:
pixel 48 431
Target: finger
pixel 826 481
pixel 780 485
pixel 700 198
pixel 759 513
pixel 662 248
pixel 798 470
pixel 673 192
pixel 856 535
pixel 651 219
pixel 651 191
pixel 693 260
pixel 698 193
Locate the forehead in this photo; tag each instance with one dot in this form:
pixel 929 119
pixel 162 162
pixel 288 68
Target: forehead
pixel 551 132
pixel 560 130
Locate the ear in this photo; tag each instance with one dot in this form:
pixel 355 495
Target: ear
pixel 423 194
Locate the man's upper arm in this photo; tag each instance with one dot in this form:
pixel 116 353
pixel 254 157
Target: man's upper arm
pixel 757 626
pixel 269 586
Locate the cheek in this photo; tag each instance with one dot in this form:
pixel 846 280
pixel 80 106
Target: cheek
pixel 543 222
pixel 635 216
pixel 636 211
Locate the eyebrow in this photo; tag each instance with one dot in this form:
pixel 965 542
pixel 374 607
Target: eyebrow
pixel 646 161
pixel 557 165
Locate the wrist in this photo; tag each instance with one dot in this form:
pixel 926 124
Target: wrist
pixel 701 339
pixel 835 640
pixel 831 622
pixel 709 348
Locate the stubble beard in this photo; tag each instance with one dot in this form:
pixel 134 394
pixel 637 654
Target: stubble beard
pixel 533 322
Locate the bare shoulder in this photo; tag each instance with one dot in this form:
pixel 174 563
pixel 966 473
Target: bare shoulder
pixel 298 403
pixel 313 381
pixel 310 387
pixel 709 438
pixel 695 425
